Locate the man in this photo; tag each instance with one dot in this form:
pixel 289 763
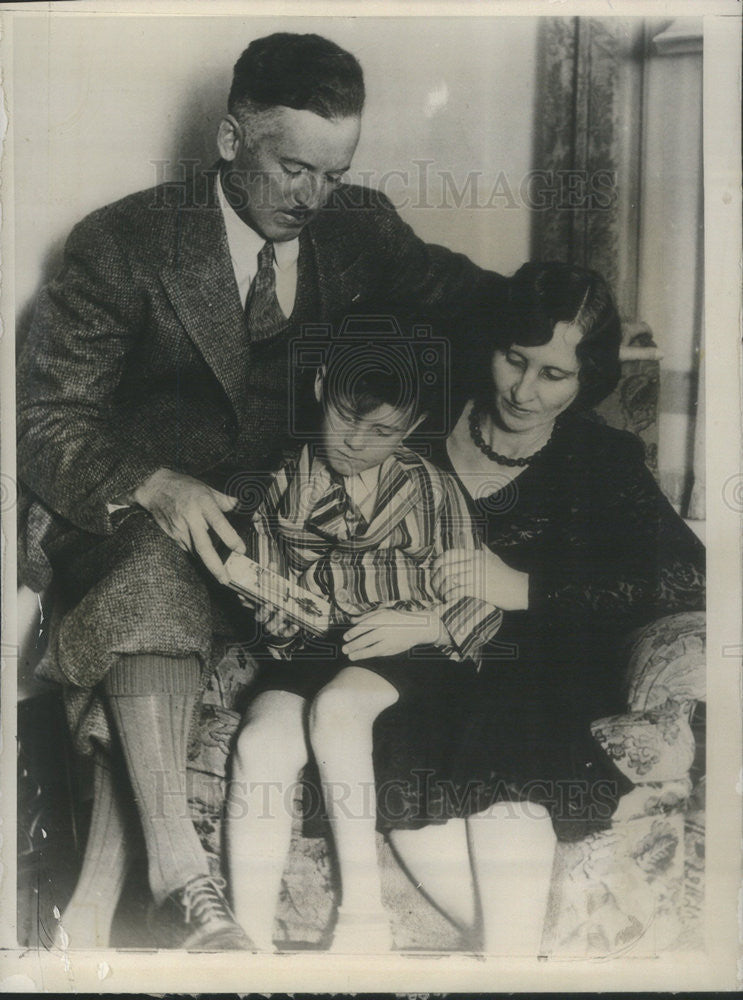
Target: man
pixel 156 366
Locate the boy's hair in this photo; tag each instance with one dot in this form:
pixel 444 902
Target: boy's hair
pixel 304 72
pixel 380 356
pixel 359 378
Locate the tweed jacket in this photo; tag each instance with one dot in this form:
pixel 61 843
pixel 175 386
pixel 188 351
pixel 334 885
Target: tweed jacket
pixel 139 358
pixel 303 527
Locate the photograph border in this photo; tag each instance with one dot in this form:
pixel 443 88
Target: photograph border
pixel 118 970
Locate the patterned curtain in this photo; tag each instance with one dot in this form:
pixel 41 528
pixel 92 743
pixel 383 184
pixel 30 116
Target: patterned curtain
pixel 597 95
pixel 671 262
pixel 587 142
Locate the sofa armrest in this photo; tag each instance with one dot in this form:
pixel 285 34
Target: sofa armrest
pixel 666 663
pixel 653 741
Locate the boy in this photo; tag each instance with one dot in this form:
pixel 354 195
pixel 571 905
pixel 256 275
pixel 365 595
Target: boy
pixel 357 518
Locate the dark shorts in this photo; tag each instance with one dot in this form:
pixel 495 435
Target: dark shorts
pixel 413 674
pixel 411 738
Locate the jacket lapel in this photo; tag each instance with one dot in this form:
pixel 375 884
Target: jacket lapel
pixel 200 283
pixel 341 274
pixel 397 495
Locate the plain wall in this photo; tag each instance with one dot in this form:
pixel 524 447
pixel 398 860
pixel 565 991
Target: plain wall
pixel 104 106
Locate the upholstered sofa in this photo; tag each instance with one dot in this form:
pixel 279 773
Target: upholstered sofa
pixel 635 886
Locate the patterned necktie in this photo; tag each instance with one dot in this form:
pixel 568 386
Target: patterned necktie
pixel 335 515
pixel 262 310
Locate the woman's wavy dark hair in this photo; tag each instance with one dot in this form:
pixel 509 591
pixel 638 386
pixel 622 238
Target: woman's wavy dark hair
pixel 541 295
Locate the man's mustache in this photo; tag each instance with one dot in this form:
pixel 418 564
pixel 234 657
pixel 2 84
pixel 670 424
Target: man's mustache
pixel 300 214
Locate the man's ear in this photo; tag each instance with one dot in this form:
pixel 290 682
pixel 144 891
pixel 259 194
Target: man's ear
pixel 229 136
pixel 319 379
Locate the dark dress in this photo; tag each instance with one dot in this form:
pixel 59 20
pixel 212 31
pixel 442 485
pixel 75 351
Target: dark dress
pixel 605 553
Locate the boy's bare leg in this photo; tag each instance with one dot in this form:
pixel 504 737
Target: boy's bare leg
pixel 270 752
pixel 341 720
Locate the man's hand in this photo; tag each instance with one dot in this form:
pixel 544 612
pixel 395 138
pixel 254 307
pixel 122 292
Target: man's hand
pixel 185 509
pixel 482 574
pixel 386 632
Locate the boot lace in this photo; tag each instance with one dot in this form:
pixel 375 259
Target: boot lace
pixel 203 897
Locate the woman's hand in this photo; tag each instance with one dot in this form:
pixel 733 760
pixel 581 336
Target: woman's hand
pixel 386 632
pixel 464 573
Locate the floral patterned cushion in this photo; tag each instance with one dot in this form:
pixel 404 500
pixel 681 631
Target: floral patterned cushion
pixel 655 745
pixel 666 661
pixel 653 798
pixel 622 891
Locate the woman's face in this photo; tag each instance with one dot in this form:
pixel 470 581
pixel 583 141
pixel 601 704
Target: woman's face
pixel 533 385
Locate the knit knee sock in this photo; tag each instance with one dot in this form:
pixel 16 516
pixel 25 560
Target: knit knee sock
pixel 152 699
pixel 86 922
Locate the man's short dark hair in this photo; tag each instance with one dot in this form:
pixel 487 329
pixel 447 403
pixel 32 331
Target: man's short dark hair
pixel 304 72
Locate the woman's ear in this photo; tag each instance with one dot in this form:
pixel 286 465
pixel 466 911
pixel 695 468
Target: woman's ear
pixel 319 379
pixel 228 138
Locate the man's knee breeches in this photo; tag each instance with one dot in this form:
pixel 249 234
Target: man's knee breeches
pixel 145 595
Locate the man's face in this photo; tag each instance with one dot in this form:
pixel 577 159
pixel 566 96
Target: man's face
pixel 279 178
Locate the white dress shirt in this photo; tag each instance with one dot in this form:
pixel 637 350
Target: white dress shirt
pixel 362 488
pixel 245 244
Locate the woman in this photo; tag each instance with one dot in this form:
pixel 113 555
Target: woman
pixel 580 547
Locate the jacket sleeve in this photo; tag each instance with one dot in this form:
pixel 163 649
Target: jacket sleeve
pixel 620 556
pixel 469 621
pixel 262 543
pixel 263 546
pixel 69 370
pixel 412 272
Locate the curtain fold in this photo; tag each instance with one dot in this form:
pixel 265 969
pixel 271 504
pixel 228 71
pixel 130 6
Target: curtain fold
pixel 618 143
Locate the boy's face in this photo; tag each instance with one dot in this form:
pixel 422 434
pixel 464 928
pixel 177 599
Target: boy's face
pixel 352 443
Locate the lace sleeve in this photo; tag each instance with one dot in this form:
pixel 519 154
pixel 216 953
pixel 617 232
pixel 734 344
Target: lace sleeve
pixel 619 555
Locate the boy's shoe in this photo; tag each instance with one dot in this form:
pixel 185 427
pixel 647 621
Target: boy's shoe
pixel 198 918
pixel 358 932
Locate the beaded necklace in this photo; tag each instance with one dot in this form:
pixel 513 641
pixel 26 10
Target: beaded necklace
pixel 494 456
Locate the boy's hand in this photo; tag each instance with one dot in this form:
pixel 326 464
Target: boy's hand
pixel 271 619
pixel 274 622
pixel 386 632
pixel 482 574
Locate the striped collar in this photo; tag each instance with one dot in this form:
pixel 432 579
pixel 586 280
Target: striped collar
pixel 397 493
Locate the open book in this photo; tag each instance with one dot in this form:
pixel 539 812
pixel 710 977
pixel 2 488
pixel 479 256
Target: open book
pixel 263 586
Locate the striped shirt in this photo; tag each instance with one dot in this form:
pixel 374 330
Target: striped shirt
pixel 310 529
